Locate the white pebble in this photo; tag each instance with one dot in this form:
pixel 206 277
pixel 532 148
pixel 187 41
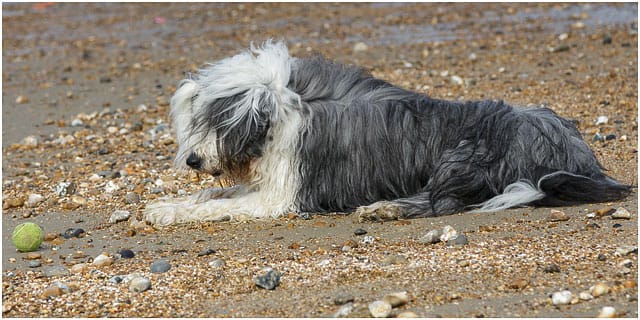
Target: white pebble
pixel 102 260
pixel 119 215
pixel 30 141
pixel 139 284
pixel 561 297
pixel 625 250
pixel 380 309
pixel 457 80
pixel 621 213
pixel 34 199
pixel 563 36
pixel 599 289
pixel 77 123
pixel 360 46
pixel 602 120
pixel 112 129
pixel 396 299
pixel 368 239
pixel 607 312
pixel 111 187
pixel 448 233
pixel 584 295
pixel 95 177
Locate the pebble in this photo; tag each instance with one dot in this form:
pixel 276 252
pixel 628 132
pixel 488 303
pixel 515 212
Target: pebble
pixel 139 284
pixel 34 199
pixel 552 268
pixel 607 312
pixel 561 297
pixel 33 255
pixel 448 233
pixel 394 259
pixel 217 263
pixel 30 141
pixel 602 120
pixel 65 188
pixel 52 291
pixel 368 240
pixel 56 271
pixel 111 187
pixel 77 123
pixel 584 295
pixel 344 310
pixel 360 232
pixel 79 268
pixel 73 233
pixel 460 240
pixel 22 99
pixel 102 260
pixel 119 215
pixel 557 215
pixel 380 309
pixel 625 250
pixel 431 237
pixel 115 279
pixel 126 254
pixel 35 263
pixel 206 252
pixel 396 299
pixel 268 281
pixel 132 198
pixel 599 289
pixel 407 314
pixel 360 46
pixel 621 213
pixel 160 266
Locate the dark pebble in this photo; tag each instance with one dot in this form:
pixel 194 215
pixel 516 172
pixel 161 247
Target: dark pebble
pixel 602 257
pixel 126 253
pixel 206 252
pixel 304 215
pixel 460 240
pixel 160 266
pixel 268 281
pixel 73 233
pixel 607 39
pixel 105 80
pixel 610 137
pixel 343 298
pixel 617 225
pixel 103 151
pixel 360 232
pixel 552 268
pixel 116 279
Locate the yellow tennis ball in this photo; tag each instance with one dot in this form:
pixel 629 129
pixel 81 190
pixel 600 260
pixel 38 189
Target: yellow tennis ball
pixel 27 236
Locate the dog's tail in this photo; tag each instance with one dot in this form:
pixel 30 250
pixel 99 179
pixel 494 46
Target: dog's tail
pixel 560 188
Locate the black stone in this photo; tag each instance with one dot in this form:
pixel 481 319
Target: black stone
pixel 360 232
pixel 126 253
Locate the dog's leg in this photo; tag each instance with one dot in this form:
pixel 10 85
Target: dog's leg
pixel 219 193
pixel 458 181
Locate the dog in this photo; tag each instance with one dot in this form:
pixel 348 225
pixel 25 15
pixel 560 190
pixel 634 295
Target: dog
pixel 308 135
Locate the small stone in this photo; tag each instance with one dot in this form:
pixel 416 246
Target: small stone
pixel 621 213
pixel 607 312
pixel 561 297
pixel 380 309
pixel 33 255
pixel 126 254
pixel 604 211
pixel 625 250
pixel 206 252
pixel 599 289
pixel 160 266
pixel 139 284
pixel 268 281
pixel 563 36
pixel 30 141
pixel 584 295
pixel 459 240
pixel 119 215
pixel 601 120
pixel 73 233
pixel 52 291
pixel 65 189
pixel 360 46
pixel 626 263
pixel 76 199
pixel 448 233
pixel 22 99
pixel 396 299
pixel 368 239
pixel 34 199
pixel 77 123
pixel 132 198
pixel 111 187
pixel 601 257
pixel 457 80
pixel 407 314
pixel 557 215
pixel 431 237
pixel 607 39
pixel 519 284
pixel 552 268
pixel 617 225
pixel 344 310
pixel 12 203
pixel 217 263
pixel 35 264
pixel 56 271
pixel 79 268
pixel 115 279
pixel 360 232
pixel 102 260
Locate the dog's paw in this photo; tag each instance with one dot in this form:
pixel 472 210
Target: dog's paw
pixel 379 211
pixel 161 213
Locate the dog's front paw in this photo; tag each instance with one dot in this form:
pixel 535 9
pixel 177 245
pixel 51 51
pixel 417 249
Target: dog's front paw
pixel 160 214
pixel 379 211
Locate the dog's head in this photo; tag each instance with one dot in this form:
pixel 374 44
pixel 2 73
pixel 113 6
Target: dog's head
pixel 223 115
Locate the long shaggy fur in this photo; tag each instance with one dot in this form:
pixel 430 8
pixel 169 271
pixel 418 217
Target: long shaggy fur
pixel 311 135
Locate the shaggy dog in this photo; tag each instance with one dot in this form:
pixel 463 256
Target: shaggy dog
pixel 310 135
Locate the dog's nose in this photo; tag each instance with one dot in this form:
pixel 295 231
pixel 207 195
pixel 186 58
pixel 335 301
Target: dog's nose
pixel 194 161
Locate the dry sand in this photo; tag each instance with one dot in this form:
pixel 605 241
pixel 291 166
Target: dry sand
pixel 99 63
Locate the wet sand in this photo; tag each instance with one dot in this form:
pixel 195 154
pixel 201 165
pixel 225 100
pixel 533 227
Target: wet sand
pixel 99 63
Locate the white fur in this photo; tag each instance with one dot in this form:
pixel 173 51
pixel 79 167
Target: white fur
pixel 271 192
pixel 514 195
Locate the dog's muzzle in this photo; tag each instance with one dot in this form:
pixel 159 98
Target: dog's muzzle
pixel 195 162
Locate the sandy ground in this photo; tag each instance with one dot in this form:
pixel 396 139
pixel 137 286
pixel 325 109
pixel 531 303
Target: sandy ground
pixel 114 67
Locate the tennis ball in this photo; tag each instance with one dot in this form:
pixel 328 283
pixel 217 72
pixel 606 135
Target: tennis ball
pixel 27 236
